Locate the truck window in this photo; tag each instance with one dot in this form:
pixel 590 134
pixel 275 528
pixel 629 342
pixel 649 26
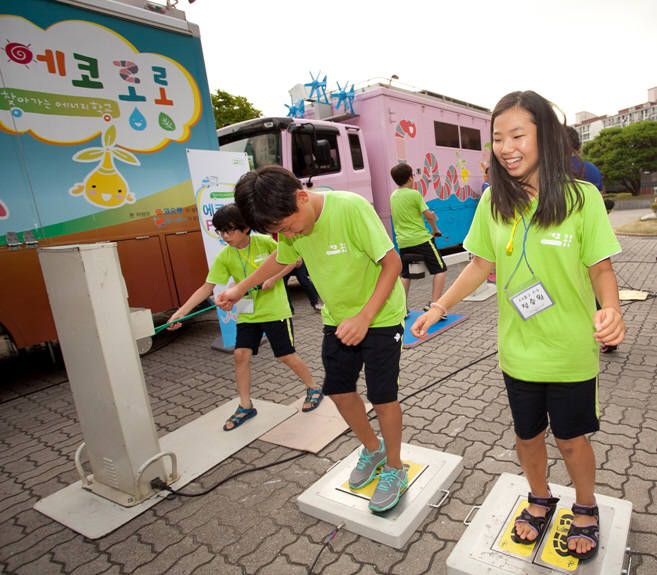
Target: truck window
pixel 304 163
pixel 356 152
pixel 446 134
pixel 470 138
pixel 263 149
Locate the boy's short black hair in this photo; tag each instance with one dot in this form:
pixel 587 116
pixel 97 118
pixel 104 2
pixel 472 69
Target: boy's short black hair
pixel 266 196
pixel 401 173
pixel 228 218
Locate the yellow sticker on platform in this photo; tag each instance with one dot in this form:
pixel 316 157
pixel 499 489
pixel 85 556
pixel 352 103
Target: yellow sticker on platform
pixel 555 551
pixel 508 544
pixel 413 470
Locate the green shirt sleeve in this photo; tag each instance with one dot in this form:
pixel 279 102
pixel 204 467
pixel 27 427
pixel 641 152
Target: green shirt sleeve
pixel 286 253
pixel 598 238
pixel 219 273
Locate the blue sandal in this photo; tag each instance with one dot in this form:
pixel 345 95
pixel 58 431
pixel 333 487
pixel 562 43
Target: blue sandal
pixel 313 397
pixel 239 417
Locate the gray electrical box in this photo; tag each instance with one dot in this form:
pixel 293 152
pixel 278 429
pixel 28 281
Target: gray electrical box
pixel 89 303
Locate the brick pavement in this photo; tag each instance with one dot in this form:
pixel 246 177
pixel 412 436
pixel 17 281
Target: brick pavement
pixel 251 524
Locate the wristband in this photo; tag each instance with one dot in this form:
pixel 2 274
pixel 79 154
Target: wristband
pixel 441 307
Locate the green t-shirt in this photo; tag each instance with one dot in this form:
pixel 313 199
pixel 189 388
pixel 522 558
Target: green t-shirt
pixel 556 344
pixel 341 254
pixel 406 208
pixel 269 305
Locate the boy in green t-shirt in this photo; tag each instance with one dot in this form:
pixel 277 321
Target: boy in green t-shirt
pixel 266 310
pixel 355 269
pixel 408 210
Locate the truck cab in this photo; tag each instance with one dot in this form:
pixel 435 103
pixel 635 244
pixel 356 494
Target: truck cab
pixel 323 155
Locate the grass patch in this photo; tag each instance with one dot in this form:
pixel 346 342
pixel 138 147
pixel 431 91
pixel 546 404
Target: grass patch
pixel 639 228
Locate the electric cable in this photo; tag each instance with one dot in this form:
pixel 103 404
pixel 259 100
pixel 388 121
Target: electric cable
pixel 329 538
pixel 157 483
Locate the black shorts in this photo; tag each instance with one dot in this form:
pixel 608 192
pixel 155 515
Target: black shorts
pixel 572 407
pixel 430 255
pixel 280 334
pixel 380 351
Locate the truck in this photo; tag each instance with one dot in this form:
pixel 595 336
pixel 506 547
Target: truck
pixel 445 140
pixel 99 102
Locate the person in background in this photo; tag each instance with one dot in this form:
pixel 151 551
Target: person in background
pixel 551 240
pixel 408 211
pixel 266 311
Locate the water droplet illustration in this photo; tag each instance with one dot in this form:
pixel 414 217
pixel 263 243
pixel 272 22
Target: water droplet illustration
pixel 16 112
pixel 137 120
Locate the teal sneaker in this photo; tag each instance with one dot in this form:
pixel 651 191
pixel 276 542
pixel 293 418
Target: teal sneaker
pixel 368 463
pixel 391 484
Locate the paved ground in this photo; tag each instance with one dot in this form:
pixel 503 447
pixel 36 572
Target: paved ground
pixel 251 524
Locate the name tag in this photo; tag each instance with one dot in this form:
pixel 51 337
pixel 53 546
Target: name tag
pixel 246 305
pixel 531 300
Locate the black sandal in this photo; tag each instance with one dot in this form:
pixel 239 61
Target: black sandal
pixel 538 524
pixel 590 532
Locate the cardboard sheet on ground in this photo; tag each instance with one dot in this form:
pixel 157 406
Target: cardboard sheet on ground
pixel 632 295
pixel 311 431
pixel 410 340
pixel 198 445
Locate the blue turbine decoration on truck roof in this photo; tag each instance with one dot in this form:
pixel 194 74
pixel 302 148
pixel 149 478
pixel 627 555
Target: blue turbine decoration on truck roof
pixel 344 97
pixel 319 87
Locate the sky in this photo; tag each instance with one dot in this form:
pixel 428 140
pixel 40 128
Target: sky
pixel 598 56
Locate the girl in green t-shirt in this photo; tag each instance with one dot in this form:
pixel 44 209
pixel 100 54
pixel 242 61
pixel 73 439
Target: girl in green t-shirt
pixel 550 239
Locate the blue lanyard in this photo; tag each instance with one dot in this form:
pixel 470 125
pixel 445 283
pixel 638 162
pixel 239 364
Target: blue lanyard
pixel 523 254
pixel 248 258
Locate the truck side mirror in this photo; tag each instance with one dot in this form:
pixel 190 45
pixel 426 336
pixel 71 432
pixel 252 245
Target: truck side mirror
pixel 322 152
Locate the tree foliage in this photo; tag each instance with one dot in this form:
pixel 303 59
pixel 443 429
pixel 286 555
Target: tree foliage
pixel 622 154
pixel 229 109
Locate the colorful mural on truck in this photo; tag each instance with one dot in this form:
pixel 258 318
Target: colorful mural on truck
pixel 92 124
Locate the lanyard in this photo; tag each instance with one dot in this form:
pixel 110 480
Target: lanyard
pixel 523 254
pixel 243 263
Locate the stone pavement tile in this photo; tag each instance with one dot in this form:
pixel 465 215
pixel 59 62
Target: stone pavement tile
pixel 131 553
pixel 637 490
pixel 22 561
pixel 280 566
pixel 179 559
pixel 423 554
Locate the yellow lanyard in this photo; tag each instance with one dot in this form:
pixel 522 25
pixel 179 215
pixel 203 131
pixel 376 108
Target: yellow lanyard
pixel 509 245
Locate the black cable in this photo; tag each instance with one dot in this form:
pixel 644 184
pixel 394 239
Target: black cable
pixel 157 483
pixel 329 538
pixel 33 392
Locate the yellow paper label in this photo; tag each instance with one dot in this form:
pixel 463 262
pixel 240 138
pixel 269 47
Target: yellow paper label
pixel 508 544
pixel 555 551
pixel 413 469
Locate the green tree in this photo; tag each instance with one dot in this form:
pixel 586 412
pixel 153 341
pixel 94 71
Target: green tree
pixel 622 154
pixel 229 109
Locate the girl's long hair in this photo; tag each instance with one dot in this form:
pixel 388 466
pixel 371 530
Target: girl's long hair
pixel 559 194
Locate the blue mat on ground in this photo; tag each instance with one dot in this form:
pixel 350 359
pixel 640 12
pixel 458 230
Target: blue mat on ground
pixel 410 340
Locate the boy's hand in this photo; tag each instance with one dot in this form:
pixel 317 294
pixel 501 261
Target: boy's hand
pixel 268 283
pixel 174 317
pixel 424 322
pixel 609 326
pixel 226 299
pixel 352 330
pixel 437 234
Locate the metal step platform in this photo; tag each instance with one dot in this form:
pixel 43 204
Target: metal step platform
pixel 431 473
pixel 486 546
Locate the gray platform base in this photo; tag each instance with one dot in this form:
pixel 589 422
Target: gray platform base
pixel 198 445
pixel 484 549
pixel 327 502
pixel 482 293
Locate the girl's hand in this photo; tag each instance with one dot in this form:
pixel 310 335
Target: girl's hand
pixel 268 284
pixel 609 326
pixel 424 322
